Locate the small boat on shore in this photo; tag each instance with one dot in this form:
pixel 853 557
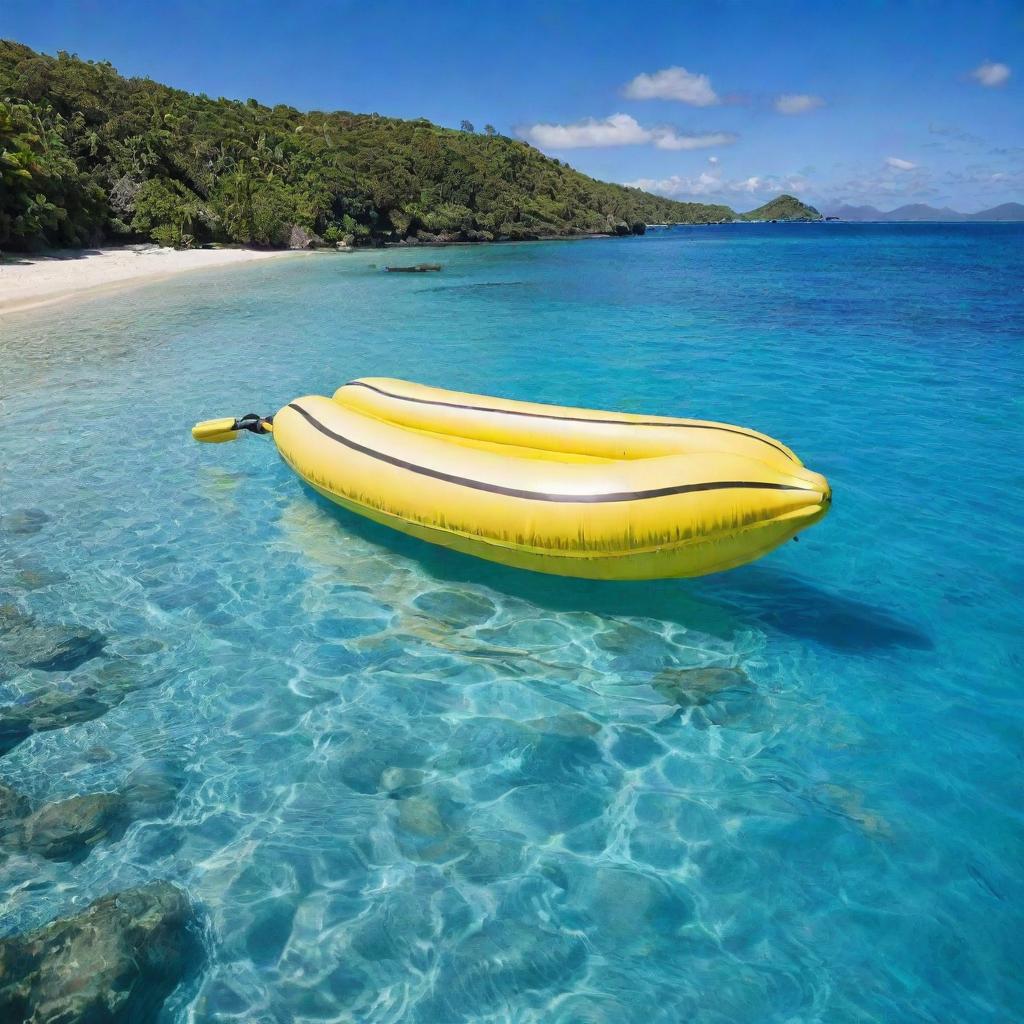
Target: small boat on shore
pixel 573 492
pixel 419 268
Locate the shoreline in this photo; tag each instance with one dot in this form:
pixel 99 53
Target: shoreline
pixel 31 280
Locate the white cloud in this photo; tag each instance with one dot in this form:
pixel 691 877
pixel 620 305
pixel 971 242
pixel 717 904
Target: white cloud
pixel 900 165
pixel 797 103
pixel 708 183
pixel 712 159
pixel 618 130
pixel 676 186
pixel 673 83
pixel 669 138
pixel 991 73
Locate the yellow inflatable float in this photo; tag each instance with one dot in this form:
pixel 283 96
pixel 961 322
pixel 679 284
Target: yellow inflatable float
pixel 574 492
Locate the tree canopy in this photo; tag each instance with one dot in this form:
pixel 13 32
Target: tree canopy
pixel 87 155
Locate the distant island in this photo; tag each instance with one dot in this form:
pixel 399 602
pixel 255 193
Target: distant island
pixel 89 157
pixel 920 212
pixel 783 208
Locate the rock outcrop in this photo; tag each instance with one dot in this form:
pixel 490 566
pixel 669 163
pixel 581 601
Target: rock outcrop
pixel 302 238
pixel 115 962
pixel 28 644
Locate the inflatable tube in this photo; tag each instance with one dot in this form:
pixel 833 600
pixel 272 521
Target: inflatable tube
pixel 573 492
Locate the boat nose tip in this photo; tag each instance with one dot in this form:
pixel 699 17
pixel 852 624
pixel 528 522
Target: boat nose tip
pixel 824 489
pixel 818 491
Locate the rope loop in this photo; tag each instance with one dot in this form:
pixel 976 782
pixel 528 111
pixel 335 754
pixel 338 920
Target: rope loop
pixel 254 423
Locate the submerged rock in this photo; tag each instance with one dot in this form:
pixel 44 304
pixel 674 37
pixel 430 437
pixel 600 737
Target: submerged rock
pixel 490 860
pixel 57 708
pixel 151 791
pixel 695 687
pixel 31 578
pixel 116 962
pixel 27 643
pixel 365 764
pixel 68 829
pixel 635 648
pixel 455 607
pixel 77 646
pixel 420 816
pixel 25 521
pixel 400 782
pixel 628 907
pixel 98 755
pixel 13 806
pixel 565 723
pixel 427 828
pixel 53 709
pixel 850 804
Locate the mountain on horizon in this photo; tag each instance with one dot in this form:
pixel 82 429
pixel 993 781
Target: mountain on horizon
pixel 923 213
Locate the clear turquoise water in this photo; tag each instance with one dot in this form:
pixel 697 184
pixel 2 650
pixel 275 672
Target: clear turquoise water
pixel 421 788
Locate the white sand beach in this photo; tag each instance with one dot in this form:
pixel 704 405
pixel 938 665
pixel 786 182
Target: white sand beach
pixel 33 279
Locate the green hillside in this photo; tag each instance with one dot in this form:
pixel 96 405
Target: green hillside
pixel 783 208
pixel 88 156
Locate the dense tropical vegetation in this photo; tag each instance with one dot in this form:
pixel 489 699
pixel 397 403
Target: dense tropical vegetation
pixel 87 156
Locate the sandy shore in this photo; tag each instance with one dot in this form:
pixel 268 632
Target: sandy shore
pixel 33 280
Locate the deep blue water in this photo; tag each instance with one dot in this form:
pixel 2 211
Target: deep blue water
pixel 421 788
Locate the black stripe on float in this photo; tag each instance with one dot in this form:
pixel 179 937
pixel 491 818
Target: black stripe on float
pixel 515 492
pixel 567 419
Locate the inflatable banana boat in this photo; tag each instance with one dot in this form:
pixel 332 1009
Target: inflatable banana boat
pixel 574 492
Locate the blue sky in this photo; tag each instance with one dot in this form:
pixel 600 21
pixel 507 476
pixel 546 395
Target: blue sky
pixel 873 102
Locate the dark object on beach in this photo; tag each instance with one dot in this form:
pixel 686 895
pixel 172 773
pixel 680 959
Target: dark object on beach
pixel 118 960
pixel 419 268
